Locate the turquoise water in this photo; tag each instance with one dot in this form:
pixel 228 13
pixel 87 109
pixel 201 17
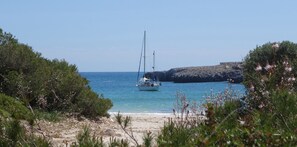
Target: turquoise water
pixel 121 88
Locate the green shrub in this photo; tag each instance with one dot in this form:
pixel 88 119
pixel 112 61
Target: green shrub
pixel 53 116
pixel 265 117
pixel 272 90
pixel 175 134
pixel 268 68
pixel 89 104
pixel 148 139
pixel 285 110
pixel 13 134
pixel 50 85
pixel 10 107
pixel 86 140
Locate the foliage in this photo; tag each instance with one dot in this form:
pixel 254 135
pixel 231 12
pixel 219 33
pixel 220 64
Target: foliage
pixel 125 123
pixel 272 88
pixel 50 85
pixel 92 105
pixel 86 140
pixel 233 124
pixel 12 108
pixel 268 68
pixel 174 134
pixel 53 116
pixel 13 134
pixel 148 139
pixel 265 117
pixel 190 128
pixel 113 142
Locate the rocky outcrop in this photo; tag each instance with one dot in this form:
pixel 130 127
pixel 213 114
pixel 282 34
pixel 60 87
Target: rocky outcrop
pixel 225 71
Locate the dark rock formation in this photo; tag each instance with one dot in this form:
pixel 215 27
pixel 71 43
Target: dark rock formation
pixel 226 71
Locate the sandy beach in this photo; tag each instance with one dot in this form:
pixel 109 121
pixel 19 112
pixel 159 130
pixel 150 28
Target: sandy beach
pixel 64 132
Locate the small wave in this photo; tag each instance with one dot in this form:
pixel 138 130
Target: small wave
pixel 141 113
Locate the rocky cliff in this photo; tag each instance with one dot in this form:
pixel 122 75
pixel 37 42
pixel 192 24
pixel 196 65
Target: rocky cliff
pixel 223 72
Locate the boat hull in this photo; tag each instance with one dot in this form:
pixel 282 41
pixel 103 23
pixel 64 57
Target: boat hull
pixel 146 84
pixel 148 88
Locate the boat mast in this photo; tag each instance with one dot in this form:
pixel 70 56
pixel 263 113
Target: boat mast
pixel 144 46
pixel 154 61
pixel 140 62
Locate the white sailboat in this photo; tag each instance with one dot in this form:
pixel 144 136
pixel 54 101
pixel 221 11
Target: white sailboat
pixel 147 83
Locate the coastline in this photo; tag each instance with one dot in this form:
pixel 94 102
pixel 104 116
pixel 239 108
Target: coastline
pixel 224 71
pixel 64 132
pixel 135 114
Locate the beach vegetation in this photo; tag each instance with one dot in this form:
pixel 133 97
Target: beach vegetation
pixel 125 124
pixel 52 116
pixel 47 85
pixel 85 139
pixel 265 116
pixel 190 127
pixel 148 139
pixel 33 87
pixel 12 133
pixel 12 108
pixel 114 142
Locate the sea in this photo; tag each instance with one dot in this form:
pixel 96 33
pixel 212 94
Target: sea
pixel 121 88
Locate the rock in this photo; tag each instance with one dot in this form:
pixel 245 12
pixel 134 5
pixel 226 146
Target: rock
pixel 225 71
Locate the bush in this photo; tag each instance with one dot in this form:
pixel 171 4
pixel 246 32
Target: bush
pixel 13 134
pixel 91 105
pixel 50 85
pixel 267 68
pixel 269 74
pixel 86 140
pixel 12 108
pixel 265 117
pixel 53 116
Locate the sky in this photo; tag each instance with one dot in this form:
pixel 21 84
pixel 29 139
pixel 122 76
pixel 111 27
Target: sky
pixel 106 35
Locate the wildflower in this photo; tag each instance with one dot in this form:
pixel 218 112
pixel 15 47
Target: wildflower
pixel 261 106
pixel 288 68
pixel 268 66
pixel 292 78
pixel 265 93
pixel 258 68
pixel 241 122
pixel 273 65
pixel 289 79
pixel 286 62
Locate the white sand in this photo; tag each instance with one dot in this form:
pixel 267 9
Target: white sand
pixel 63 133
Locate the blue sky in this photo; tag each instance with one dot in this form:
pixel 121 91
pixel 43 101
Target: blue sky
pixel 106 35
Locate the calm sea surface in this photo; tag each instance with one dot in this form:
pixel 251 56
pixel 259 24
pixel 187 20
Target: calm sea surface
pixel 121 88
